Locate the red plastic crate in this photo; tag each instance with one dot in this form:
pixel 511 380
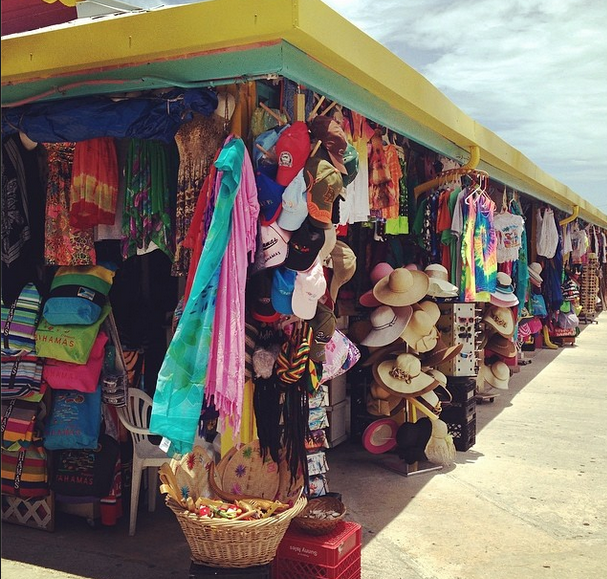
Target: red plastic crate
pixel 348 568
pixel 326 550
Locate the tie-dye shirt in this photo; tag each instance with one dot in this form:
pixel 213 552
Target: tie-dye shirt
pixel 485 245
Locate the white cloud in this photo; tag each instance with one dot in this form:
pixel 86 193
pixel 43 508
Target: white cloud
pixel 532 71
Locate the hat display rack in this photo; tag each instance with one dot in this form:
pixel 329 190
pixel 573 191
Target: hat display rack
pixel 403 314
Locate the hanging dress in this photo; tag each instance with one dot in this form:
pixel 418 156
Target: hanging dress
pixel 197 141
pixel 63 244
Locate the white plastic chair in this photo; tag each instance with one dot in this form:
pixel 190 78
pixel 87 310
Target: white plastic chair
pixel 135 417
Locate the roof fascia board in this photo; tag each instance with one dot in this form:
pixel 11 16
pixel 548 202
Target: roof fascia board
pixel 188 31
pixel 173 32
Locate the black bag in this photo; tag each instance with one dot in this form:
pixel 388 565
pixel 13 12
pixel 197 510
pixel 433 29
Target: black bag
pixel 85 473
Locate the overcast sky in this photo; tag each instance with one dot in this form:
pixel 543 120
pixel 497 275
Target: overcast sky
pixel 532 71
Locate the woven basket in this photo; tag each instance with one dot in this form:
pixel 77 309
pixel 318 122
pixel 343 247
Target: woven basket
pixel 315 526
pixel 223 543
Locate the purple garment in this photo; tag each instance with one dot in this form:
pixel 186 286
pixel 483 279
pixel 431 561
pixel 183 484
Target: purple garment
pixel 226 374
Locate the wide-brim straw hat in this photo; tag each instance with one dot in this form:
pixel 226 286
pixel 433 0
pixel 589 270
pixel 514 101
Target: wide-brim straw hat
pixel 404 375
pixel 402 287
pixel 381 270
pixel 500 318
pixel 430 307
pixel 535 269
pixel 497 374
pixel 420 333
pixel 380 354
pixel 440 286
pixel 501 300
pixel 380 436
pixel 441 353
pixel 382 402
pixel 501 345
pixel 387 325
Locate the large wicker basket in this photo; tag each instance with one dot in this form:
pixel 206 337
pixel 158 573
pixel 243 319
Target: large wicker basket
pixel 313 525
pixel 224 543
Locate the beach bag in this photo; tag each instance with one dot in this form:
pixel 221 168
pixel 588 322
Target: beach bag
pixel 538 305
pixel 85 472
pixel 74 421
pixel 61 375
pixel 68 343
pixel 18 423
pixel 19 321
pixel 78 294
pixel 337 351
pixel 25 472
pixel 22 377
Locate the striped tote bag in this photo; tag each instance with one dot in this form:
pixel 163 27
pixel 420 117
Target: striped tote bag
pixel 19 321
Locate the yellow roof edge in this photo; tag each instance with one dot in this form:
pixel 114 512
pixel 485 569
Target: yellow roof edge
pixel 136 38
pixel 311 26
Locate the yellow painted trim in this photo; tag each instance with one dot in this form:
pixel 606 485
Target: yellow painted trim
pixel 179 32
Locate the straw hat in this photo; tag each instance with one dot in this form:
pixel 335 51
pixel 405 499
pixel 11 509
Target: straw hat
pixel 387 324
pixel 500 319
pixel 380 354
pixel 404 375
pixel 380 436
pixel 440 286
pixel 382 402
pixel 504 292
pixel 420 333
pixel 380 271
pixel 535 269
pixel 497 374
pixel 441 353
pixel 502 346
pixel 431 308
pixel 402 287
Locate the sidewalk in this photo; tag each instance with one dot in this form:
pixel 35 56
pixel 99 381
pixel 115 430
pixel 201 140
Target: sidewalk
pixel 527 501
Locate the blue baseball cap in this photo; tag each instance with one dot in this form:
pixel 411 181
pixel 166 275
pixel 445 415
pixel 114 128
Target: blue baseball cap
pixel 269 195
pixel 267 140
pixel 283 285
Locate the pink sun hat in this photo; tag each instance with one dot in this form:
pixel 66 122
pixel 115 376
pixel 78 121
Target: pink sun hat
pixel 380 271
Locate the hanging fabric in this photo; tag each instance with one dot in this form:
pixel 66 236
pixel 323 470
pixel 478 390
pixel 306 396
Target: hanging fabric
pixel 226 376
pixel 547 236
pixel 146 222
pixel 181 381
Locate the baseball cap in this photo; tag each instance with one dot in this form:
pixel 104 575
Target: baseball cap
pixel 266 140
pixel 294 204
pixel 274 242
pixel 292 150
pixel 332 137
pixel 309 287
pixel 283 284
pixel 269 195
pixel 344 267
pixel 324 184
pixel 304 246
pixel 351 163
pixel 323 327
pixel 259 287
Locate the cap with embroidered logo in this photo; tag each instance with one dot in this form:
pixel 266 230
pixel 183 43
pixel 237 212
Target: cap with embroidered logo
pixel 292 150
pixel 324 184
pixel 304 247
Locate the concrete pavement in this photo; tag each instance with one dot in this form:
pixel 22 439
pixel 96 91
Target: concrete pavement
pixel 527 501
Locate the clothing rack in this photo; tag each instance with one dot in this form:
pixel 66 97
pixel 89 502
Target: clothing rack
pixel 468 169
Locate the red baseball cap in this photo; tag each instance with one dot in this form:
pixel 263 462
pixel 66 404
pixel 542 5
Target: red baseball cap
pixel 292 150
